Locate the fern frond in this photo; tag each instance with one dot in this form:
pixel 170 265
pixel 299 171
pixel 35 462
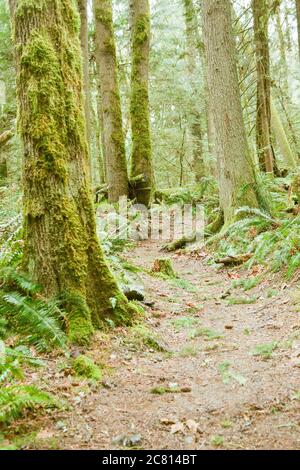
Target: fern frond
pixel 37 320
pixel 16 399
pixel 9 275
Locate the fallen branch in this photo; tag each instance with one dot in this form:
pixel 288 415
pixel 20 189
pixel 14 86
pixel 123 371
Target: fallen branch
pixel 5 137
pixel 234 260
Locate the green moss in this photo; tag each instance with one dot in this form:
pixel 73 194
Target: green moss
pixel 164 266
pixel 80 328
pixel 104 15
pixel 85 367
pixel 162 390
pixel 141 32
pixel 61 250
pixel 141 162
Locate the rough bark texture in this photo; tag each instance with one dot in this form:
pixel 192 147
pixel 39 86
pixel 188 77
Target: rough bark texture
pixel 61 251
pixel 84 41
pixel 195 115
pixel 141 159
pixel 237 182
pixel 263 117
pixel 113 137
pixel 298 22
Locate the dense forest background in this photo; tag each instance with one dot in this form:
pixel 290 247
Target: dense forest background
pixel 175 90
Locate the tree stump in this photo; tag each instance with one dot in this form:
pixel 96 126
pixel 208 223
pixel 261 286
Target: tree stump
pixel 164 266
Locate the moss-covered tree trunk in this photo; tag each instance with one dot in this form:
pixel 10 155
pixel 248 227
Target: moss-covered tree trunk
pixel 84 40
pixel 113 137
pixel 236 175
pixel 62 251
pixel 195 125
pixel 263 109
pixel 298 23
pixel 141 159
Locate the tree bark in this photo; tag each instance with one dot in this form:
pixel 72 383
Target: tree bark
pixel 113 137
pixel 298 22
pixel 263 111
pixel 236 174
pixel 5 137
pixel 61 252
pixel 195 114
pixel 141 159
pixel 84 41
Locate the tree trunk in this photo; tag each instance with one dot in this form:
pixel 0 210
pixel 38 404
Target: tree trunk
pixel 3 170
pixel 298 22
pixel 61 252
pixel 84 41
pixel 290 161
pixel 263 111
pixel 113 137
pixel 141 159
pixel 236 174
pixel 195 115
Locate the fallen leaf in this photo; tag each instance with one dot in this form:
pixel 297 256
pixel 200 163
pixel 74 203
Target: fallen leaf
pixel 176 428
pixel 192 425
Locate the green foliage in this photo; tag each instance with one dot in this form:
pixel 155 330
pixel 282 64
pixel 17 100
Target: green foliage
pixel 248 283
pixel 38 321
pixel 265 350
pixel 140 336
pixel 242 300
pixel 189 351
pixel 16 399
pixel 12 361
pixel 217 441
pixel 184 322
pixel 208 333
pixel 184 284
pixel 162 390
pixel 275 242
pixel 228 374
pixel 85 367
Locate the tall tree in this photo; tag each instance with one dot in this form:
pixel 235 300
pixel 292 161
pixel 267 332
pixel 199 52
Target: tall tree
pixel 113 137
pixel 263 116
pixel 298 22
pixel 195 114
pixel 236 175
pixel 84 40
pixel 141 159
pixel 62 252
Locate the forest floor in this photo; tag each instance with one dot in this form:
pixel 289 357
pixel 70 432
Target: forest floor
pixel 228 377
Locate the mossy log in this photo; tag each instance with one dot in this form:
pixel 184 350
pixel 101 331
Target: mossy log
pixel 234 260
pixel 164 266
pixel 180 243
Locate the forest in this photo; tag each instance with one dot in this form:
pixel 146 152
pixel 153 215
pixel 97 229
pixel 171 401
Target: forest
pixel 149 225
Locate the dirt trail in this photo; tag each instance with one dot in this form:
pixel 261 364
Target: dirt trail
pixel 226 396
